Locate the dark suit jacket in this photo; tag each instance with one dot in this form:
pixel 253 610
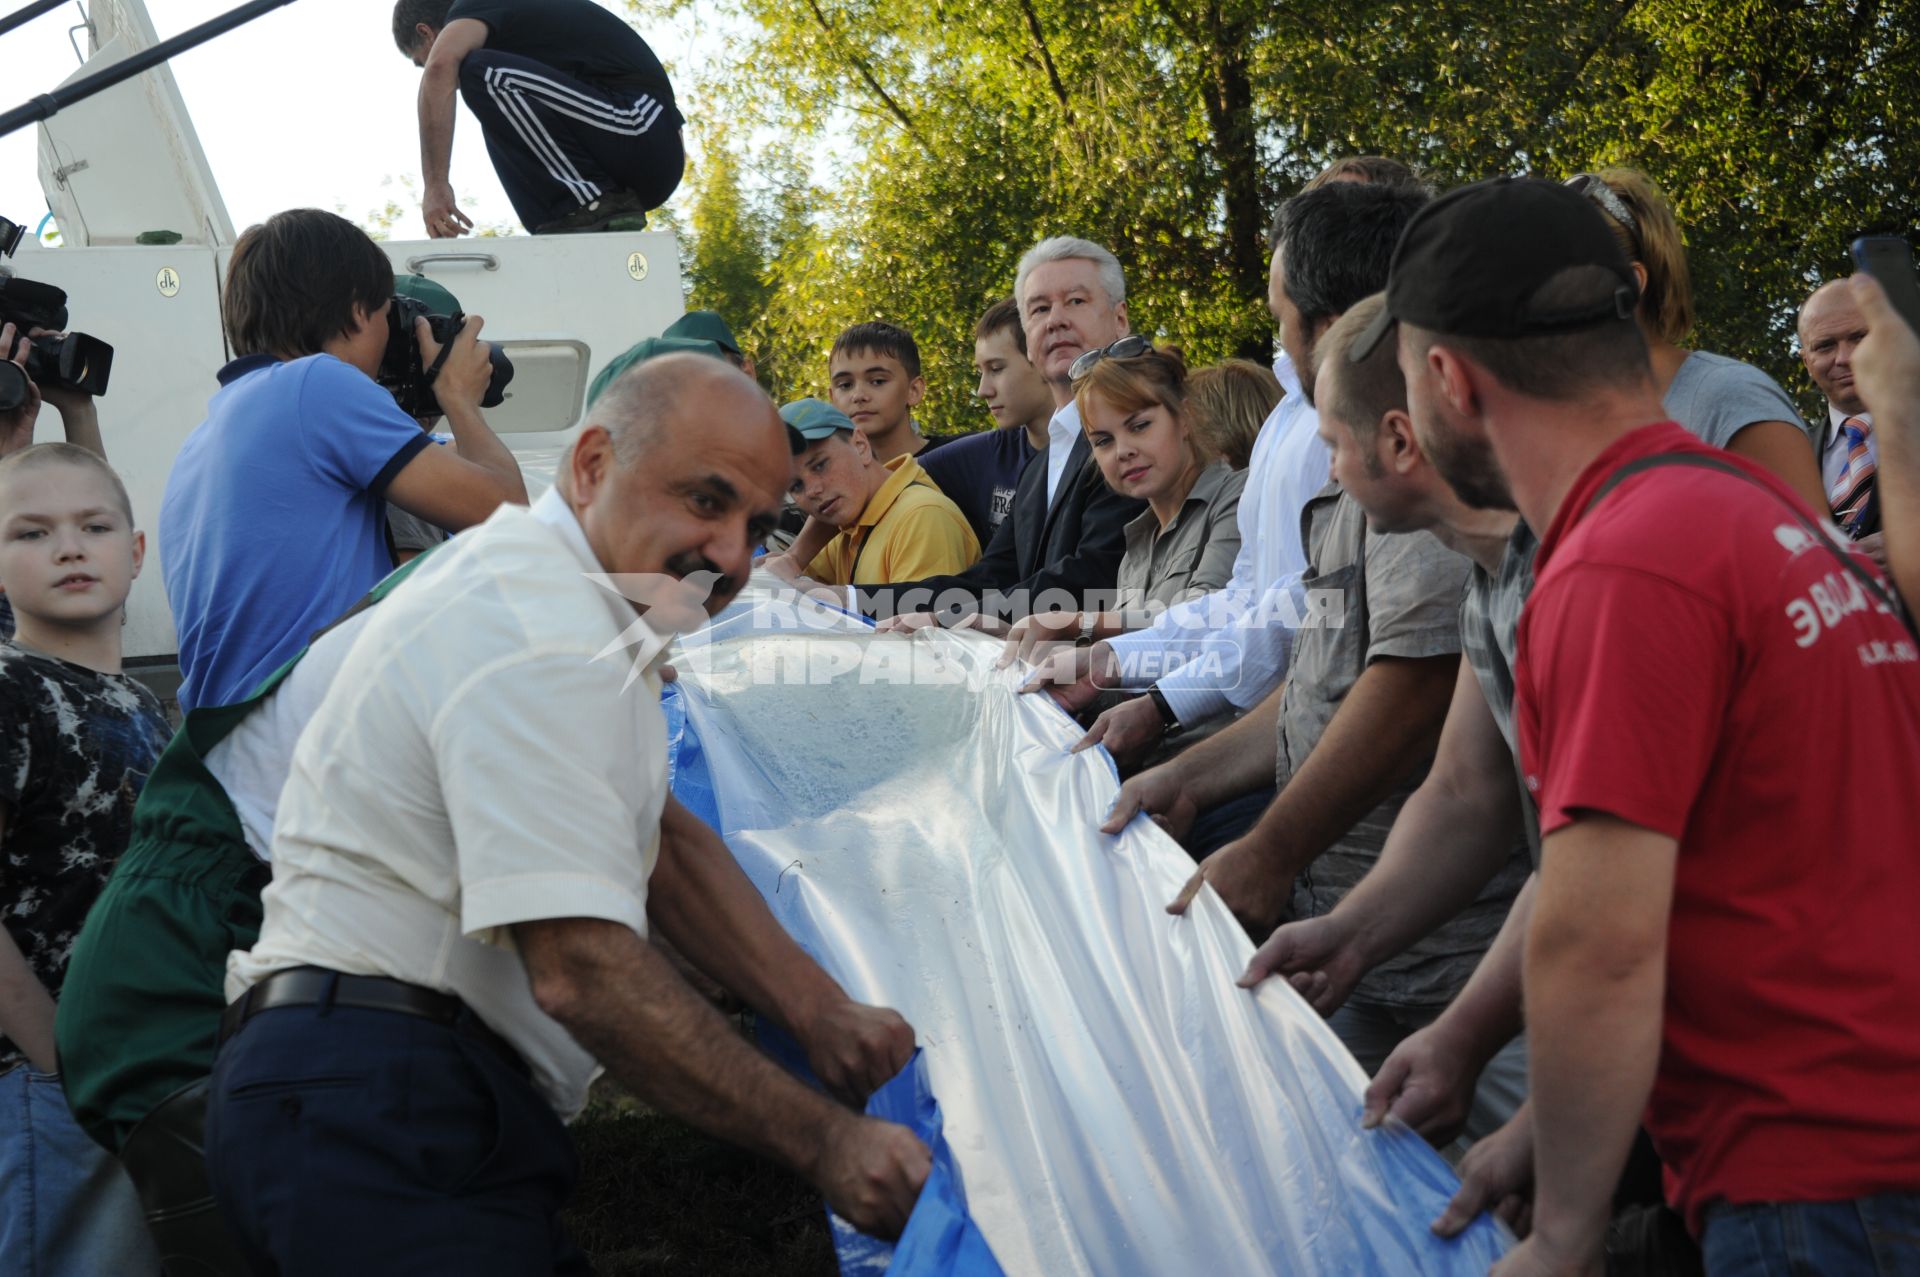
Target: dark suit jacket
pixel 1870 523
pixel 1074 546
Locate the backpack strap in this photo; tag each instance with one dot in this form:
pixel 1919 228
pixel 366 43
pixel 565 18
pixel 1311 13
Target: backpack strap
pixel 1701 461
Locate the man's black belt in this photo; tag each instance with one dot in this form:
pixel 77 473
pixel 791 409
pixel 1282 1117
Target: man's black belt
pixel 317 986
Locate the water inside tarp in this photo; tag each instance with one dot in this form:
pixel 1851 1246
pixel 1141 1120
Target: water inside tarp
pixel 1115 1104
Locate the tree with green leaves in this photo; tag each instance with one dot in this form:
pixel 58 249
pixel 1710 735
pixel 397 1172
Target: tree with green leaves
pixel 941 139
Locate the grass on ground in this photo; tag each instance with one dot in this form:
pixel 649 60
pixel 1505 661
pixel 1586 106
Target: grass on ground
pixel 657 1197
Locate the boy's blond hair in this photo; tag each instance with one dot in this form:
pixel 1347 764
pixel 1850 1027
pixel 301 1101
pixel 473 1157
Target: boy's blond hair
pixel 1360 395
pixel 46 454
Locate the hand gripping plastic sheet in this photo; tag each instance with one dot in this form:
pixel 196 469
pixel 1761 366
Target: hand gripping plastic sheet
pixel 1113 1103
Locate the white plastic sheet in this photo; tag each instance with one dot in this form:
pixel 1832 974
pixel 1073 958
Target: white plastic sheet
pixel 1115 1103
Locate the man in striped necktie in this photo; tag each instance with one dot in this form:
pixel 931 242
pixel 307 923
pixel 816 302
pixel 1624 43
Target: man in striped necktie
pixel 1831 326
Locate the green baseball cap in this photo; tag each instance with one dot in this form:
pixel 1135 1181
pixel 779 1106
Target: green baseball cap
pixel 646 349
pixel 430 293
pixel 704 325
pixel 813 419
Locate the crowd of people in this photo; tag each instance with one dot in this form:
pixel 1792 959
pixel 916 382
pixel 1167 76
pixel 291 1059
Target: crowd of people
pixel 1534 688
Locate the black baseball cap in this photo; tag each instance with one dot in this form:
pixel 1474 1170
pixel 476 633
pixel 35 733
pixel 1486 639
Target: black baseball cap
pixel 1473 262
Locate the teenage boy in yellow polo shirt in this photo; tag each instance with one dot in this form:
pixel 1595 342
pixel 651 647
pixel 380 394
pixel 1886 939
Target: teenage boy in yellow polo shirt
pixel 894 523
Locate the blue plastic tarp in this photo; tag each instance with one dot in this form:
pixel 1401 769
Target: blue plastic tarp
pixel 1108 1101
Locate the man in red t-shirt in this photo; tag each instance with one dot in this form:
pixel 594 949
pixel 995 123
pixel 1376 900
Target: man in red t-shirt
pixel 1722 942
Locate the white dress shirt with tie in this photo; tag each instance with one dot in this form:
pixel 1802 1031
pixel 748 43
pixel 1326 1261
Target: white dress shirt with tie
pixel 1834 458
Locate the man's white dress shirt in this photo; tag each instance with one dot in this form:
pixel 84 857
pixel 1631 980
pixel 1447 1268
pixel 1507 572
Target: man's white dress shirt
pixel 477 763
pixel 1062 429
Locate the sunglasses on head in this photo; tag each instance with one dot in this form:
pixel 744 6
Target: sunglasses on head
pixel 1596 189
pixel 1127 347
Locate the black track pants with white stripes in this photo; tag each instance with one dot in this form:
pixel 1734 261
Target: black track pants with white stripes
pixel 558 142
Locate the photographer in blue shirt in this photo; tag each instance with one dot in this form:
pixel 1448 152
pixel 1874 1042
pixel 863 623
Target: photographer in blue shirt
pixel 273 522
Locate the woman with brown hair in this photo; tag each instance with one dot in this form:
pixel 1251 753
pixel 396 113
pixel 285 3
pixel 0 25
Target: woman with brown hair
pixel 1724 402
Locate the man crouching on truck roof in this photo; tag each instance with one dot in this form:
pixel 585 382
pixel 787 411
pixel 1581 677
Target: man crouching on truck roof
pixel 471 846
pixel 274 518
pixel 578 113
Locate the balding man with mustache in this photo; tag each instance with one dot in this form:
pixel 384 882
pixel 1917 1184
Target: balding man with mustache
pixel 472 849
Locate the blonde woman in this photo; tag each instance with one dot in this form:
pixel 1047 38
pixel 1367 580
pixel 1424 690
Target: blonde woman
pixel 1228 402
pixel 1724 402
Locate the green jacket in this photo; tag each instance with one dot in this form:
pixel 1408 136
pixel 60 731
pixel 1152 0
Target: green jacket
pixel 140 1008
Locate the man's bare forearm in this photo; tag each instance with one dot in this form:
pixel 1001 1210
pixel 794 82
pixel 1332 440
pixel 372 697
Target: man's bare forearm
pixel 1595 985
pixel 1487 1014
pixel 1439 857
pixel 438 88
pixel 81 421
pixel 706 908
pixel 1237 760
pixel 1387 725
pixel 1899 484
pixel 475 441
pixel 1452 836
pixel 625 1005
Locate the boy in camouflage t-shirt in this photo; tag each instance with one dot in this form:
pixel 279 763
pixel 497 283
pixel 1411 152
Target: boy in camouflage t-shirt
pixel 77 739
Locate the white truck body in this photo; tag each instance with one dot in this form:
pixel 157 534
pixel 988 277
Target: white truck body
pixel 128 161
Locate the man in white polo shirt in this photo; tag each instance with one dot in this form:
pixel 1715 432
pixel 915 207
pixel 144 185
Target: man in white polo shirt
pixel 473 843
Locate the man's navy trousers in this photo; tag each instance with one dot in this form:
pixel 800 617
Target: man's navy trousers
pixel 349 1141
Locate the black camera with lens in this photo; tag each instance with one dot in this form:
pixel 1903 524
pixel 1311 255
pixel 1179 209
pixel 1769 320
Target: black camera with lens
pixel 73 362
pixel 408 380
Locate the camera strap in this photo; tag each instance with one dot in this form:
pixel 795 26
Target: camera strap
pixel 440 360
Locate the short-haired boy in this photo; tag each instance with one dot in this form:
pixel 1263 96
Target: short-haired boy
pixel 77 416
pixel 980 471
pixel 77 739
pixel 873 375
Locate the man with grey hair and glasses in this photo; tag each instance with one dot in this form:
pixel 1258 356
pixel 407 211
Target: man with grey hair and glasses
pixel 1067 532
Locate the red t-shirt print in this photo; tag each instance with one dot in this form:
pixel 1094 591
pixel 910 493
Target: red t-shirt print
pixel 1693 661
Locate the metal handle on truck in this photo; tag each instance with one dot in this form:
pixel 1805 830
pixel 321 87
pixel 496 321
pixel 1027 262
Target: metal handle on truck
pixel 487 260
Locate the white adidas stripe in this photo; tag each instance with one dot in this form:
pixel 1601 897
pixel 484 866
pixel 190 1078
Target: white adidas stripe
pixel 629 127
pixel 526 122
pixel 545 145
pixel 584 101
pixel 536 138
pixel 630 121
